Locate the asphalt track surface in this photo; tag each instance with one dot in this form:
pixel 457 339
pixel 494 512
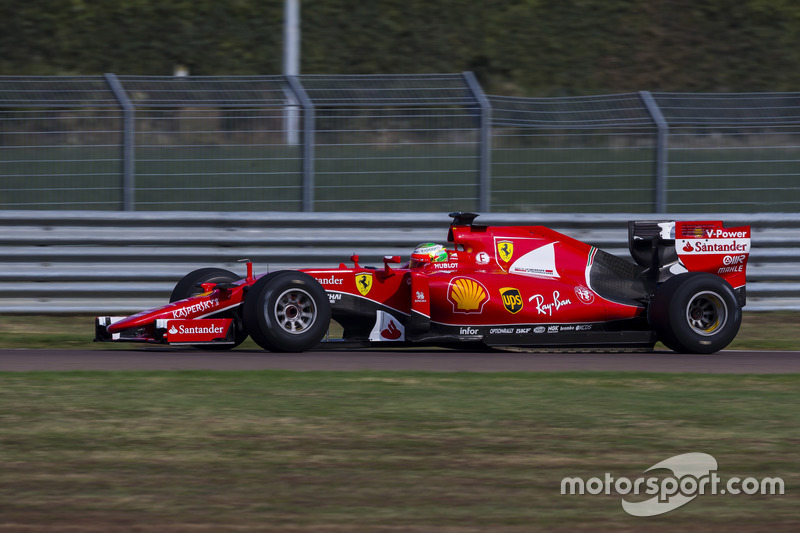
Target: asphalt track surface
pixel 158 358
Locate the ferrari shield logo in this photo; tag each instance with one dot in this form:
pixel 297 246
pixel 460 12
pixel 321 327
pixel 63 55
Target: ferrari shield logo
pixel 364 283
pixel 512 299
pixel 505 249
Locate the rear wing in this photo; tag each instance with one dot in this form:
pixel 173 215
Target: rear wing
pixel 710 247
pixel 668 248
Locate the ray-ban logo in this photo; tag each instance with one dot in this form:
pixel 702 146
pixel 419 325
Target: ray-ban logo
pixel 693 474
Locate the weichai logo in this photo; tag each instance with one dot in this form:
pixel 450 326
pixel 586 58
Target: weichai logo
pixel 512 299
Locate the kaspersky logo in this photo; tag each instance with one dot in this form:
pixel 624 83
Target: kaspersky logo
pixel 195 308
pixel 467 295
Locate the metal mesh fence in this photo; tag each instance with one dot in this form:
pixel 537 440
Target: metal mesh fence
pixel 407 143
pixel 572 154
pixel 733 152
pixel 60 144
pixel 387 143
pixel 213 142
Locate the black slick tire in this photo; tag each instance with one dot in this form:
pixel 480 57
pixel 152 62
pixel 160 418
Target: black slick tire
pixel 287 311
pixel 695 312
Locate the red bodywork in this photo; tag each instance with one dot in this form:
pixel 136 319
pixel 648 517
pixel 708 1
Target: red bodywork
pixel 494 276
pixel 500 285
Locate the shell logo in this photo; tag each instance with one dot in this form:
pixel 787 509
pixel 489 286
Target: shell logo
pixel 467 295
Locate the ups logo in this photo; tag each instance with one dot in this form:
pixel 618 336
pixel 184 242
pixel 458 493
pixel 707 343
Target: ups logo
pixel 512 299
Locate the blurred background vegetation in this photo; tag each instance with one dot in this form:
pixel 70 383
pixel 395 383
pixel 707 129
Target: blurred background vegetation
pixel 516 47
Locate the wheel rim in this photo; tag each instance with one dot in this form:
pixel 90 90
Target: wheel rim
pixel 707 313
pixel 295 311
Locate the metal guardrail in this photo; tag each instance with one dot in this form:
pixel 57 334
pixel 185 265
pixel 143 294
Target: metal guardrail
pixel 120 262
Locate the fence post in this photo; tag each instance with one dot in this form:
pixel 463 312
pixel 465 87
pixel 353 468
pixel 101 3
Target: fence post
pixel 485 144
pixel 291 63
pixel 308 140
pixel 662 139
pixel 128 143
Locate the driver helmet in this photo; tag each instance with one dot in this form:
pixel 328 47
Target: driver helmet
pixel 428 252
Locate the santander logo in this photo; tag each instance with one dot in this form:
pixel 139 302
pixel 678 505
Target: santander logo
pixel 391 332
pixel 713 246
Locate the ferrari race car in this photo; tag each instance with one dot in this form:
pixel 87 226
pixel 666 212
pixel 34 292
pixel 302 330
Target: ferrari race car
pixel 507 287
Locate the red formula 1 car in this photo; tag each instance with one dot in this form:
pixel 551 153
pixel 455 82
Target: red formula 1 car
pixel 510 287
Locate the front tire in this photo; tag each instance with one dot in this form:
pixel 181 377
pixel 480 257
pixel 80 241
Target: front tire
pixel 189 286
pixel 695 312
pixel 287 311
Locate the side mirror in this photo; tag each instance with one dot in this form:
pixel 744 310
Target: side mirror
pixel 208 287
pixel 389 259
pixel 250 278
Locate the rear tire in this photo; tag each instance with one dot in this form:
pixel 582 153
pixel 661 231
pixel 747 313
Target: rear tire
pixel 287 311
pixel 695 312
pixel 188 286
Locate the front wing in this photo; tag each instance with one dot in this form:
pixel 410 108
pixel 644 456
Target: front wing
pixel 185 331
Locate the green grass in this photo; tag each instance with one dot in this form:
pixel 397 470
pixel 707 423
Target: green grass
pixel 775 330
pixel 380 451
pixel 367 451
